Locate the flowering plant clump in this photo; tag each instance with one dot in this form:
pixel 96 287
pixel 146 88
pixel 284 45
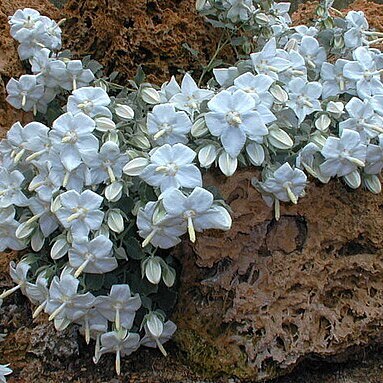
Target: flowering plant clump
pixel 108 177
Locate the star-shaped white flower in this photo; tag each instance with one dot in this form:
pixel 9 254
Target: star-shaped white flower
pixel 233 118
pixel 172 167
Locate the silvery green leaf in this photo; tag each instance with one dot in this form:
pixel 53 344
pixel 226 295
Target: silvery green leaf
pixel 207 155
pixel 256 153
pixel 372 183
pixel 150 96
pixel 168 276
pixel 37 240
pixel 227 164
pixel 280 139
pixel 353 179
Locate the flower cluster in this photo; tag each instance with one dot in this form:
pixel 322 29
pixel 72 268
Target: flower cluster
pixel 115 178
pixel 95 194
pixel 40 39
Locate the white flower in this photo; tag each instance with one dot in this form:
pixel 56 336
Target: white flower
pixel 4 371
pixel 107 164
pixel 38 293
pixel 334 81
pixel 119 306
pixel 75 76
pixel 8 227
pixel 24 92
pixel 95 256
pixel 190 97
pixel 64 301
pixel 374 158
pixel 303 97
pixel 225 76
pixel 70 179
pixel 80 212
pixel 313 54
pixel 23 19
pixel 239 10
pixel 169 89
pixel 343 155
pixel 171 166
pixel 362 119
pixel 42 212
pixel 71 135
pixel 364 71
pixel 156 332
pixel 197 210
pixel 10 189
pixel 257 87
pixel 168 126
pixel 286 184
pixel 233 119
pixel 91 101
pixel 18 274
pixel 121 342
pixel 356 25
pixel 164 232
pixel 93 325
pixel 267 62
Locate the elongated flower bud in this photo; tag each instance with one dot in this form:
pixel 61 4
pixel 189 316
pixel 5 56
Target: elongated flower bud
pixel 136 166
pixel 125 112
pixel 227 164
pixel 150 96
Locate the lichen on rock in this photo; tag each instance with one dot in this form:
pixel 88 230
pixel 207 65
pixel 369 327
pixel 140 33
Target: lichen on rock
pixel 267 294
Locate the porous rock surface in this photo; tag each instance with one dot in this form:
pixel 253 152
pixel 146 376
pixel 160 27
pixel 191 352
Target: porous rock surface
pixel 153 33
pixel 261 297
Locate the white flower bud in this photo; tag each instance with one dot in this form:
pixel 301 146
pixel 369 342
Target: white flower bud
pixel 335 108
pixel 199 128
pixel 113 136
pixel 37 241
pixel 279 94
pixel 372 183
pixel 227 164
pixel 140 141
pixel 292 45
pixel 153 270
pixel 115 221
pixel 125 112
pixel 323 122
pixel 168 276
pixel 136 166
pixel 207 155
pixel 353 179
pixel 154 325
pixel 59 248
pixel 104 124
pixel 262 19
pixel 113 192
pixel 150 96
pixel 280 139
pixel 256 153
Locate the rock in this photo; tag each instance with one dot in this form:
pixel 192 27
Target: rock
pixel 260 298
pixel 122 35
pixel 10 64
